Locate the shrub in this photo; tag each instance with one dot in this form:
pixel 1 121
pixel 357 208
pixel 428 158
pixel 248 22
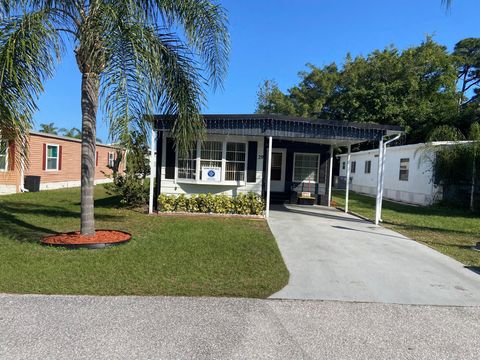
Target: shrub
pixel 243 204
pixel 132 190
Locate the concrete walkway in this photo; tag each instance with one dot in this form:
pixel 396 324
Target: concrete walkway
pixel 87 327
pixel 335 256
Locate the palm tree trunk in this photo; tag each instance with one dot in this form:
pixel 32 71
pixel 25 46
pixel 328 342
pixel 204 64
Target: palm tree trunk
pixel 90 89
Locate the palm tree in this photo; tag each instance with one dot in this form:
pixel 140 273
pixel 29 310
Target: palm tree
pixel 49 128
pixel 73 132
pixel 129 57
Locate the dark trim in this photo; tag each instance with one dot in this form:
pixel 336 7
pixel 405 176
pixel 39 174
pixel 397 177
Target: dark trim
pixel 170 159
pixel 226 117
pixel 157 190
pixel 252 161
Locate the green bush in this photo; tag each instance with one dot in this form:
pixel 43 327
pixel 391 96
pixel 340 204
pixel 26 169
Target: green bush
pixel 243 204
pixel 132 190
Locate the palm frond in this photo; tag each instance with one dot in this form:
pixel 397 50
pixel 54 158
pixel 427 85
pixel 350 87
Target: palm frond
pixel 205 25
pixel 29 50
pixel 150 70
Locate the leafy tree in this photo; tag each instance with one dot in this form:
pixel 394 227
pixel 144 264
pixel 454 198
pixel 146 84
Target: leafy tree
pixel 129 57
pixel 415 88
pixel 49 128
pixel 452 161
pixel 270 100
pixel 468 54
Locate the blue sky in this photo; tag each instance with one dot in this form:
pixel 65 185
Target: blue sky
pixel 274 39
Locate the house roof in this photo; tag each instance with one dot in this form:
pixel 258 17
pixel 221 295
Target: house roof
pixel 281 126
pixel 67 138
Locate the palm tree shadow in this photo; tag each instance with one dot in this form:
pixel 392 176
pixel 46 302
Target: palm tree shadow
pixel 18 220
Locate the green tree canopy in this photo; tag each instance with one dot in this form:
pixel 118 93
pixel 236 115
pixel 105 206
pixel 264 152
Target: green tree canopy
pixel 415 88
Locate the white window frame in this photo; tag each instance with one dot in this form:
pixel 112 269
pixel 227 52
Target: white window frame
pixel 369 162
pixel 400 170
pixel 353 167
pixel 6 155
pixel 113 159
pixel 47 157
pixel 318 165
pixel 198 179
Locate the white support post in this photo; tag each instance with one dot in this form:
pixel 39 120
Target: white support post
pixel 330 172
pixel 379 182
pixel 153 146
pixel 382 176
pixel 347 189
pixel 269 174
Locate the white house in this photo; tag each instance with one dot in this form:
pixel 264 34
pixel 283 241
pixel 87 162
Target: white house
pixel 408 175
pixel 277 157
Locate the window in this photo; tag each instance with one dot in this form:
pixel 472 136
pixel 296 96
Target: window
pixel 343 165
pixel 230 157
pixel 211 155
pixel 305 167
pixel 276 168
pixel 52 157
pixel 235 164
pixel 353 167
pixel 111 159
pixel 404 165
pixel 187 165
pixel 3 155
pixel 368 166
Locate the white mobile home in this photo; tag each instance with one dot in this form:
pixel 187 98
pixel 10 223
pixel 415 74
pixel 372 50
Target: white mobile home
pixel 408 173
pixel 277 157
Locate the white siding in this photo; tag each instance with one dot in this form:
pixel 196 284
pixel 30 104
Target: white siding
pixel 419 189
pixel 172 187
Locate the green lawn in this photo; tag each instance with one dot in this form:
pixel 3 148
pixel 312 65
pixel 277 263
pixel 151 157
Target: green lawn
pixel 167 255
pixel 450 231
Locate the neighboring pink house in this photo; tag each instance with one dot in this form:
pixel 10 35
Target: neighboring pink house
pixel 54 159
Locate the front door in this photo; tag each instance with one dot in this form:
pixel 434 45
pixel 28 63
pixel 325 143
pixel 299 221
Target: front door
pixel 279 159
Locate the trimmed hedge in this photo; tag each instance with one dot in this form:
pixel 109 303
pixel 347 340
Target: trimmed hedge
pixel 243 204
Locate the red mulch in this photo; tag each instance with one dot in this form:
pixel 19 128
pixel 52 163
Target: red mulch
pixel 74 238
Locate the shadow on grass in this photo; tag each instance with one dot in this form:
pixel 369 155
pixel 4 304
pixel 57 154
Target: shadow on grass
pixel 29 222
pixel 411 227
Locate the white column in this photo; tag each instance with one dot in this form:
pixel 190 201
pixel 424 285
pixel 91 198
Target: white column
pixel 379 181
pixel 347 189
pixel 153 146
pixel 269 174
pixel 330 172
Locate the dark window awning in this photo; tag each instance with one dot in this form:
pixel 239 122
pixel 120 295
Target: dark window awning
pixel 279 126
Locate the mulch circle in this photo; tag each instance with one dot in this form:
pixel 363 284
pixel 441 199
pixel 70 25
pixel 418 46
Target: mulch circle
pixel 101 239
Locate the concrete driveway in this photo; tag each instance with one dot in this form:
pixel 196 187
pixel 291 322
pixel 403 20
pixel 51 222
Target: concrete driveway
pixel 335 256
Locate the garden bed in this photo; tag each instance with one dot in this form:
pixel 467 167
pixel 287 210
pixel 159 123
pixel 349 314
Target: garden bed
pixel 74 240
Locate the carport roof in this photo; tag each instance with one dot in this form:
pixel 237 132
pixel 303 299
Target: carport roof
pixel 288 127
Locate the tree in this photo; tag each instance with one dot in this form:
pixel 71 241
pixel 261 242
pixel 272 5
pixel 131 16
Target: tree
pixel 49 128
pixel 414 88
pixel 448 160
pixel 467 52
pixel 73 132
pixel 129 57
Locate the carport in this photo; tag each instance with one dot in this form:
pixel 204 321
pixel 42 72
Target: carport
pixel 278 144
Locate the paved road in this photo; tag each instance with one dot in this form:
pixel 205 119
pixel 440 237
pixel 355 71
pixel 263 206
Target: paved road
pixel 335 256
pixel 75 327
